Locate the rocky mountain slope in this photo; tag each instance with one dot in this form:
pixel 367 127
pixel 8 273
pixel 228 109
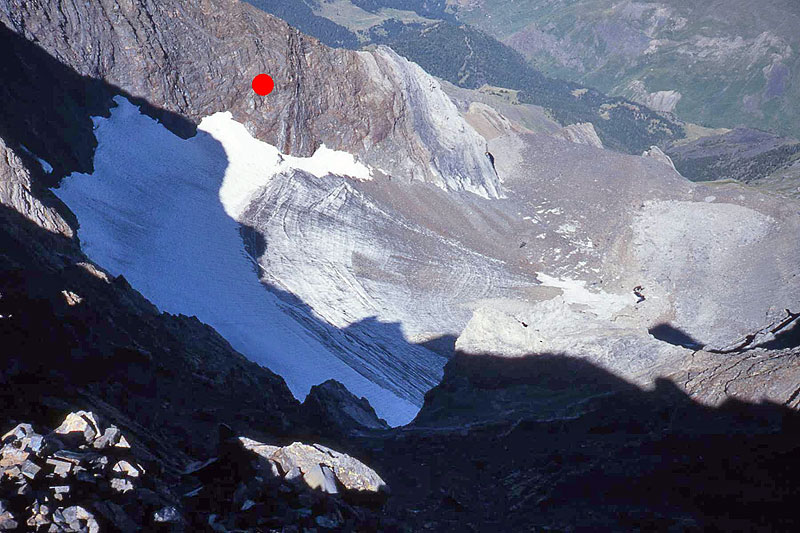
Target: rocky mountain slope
pixel 721 64
pixel 123 50
pixel 423 31
pixel 742 154
pixel 427 34
pixel 363 274
pixel 85 476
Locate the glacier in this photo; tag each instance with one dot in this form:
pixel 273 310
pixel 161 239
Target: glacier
pixel 329 267
pixel 156 210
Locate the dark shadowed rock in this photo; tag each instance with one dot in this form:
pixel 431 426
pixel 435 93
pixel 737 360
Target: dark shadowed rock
pixel 83 488
pixel 331 405
pixel 70 486
pixel 167 514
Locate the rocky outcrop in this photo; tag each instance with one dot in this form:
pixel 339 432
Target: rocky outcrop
pixel 448 144
pixel 16 192
pixel 583 133
pixel 331 405
pixel 252 486
pixel 715 378
pixel 664 101
pixel 373 104
pixel 657 154
pixel 322 468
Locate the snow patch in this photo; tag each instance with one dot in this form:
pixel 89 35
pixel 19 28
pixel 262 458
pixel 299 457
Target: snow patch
pixel 252 163
pixel 603 304
pixel 46 167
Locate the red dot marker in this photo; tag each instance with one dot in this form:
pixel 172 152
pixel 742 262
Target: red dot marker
pixel 263 84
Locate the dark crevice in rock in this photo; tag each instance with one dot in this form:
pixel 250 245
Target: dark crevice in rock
pixel 786 334
pixel 781 334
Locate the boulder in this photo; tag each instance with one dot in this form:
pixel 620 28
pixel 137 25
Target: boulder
pixel 19 432
pixel 321 477
pixel 126 468
pixel 583 133
pixel 7 522
pixel 111 437
pixel 353 475
pixel 12 456
pixel 82 422
pixel 79 519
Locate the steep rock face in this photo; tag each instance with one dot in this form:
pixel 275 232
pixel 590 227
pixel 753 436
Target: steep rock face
pixel 454 148
pixel 761 375
pixel 664 101
pixel 583 133
pixel 198 58
pixel 16 192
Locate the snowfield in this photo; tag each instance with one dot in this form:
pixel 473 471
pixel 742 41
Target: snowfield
pixel 158 209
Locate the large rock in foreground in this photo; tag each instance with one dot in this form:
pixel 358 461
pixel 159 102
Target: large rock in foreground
pixel 322 468
pixel 85 476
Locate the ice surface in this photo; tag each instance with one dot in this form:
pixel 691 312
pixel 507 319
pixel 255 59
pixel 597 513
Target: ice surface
pixel 158 209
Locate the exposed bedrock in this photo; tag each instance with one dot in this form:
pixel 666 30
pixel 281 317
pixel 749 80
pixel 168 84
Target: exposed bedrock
pixel 196 58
